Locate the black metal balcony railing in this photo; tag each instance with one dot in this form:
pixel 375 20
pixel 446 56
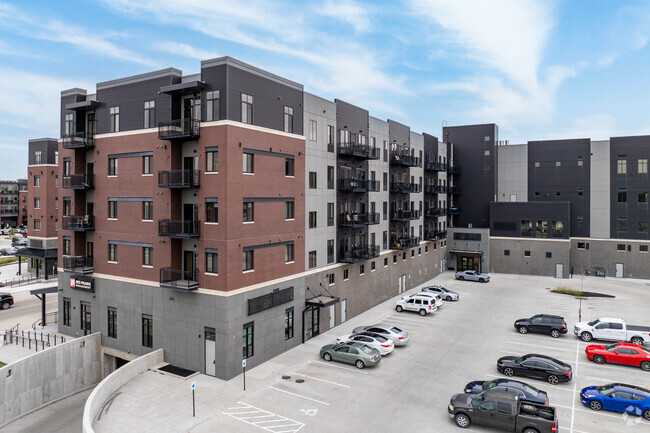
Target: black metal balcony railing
pixel 454 190
pixel 79 181
pixel 78 264
pixel 178 178
pixel 404 215
pixel 179 129
pixel 402 243
pixel 78 223
pixel 78 140
pixel 358 254
pixel 359 150
pixel 179 228
pixel 434 235
pixel 404 187
pixel 433 212
pixel 358 185
pixel 454 211
pixel 405 159
pixel 435 189
pixel 435 166
pixel 354 219
pixel 453 170
pixel 179 280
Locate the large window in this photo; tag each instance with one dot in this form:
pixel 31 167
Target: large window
pixel 622 196
pixel 66 311
pixel 112 253
pixel 312 259
pixel 526 228
pixel 621 166
pixel 288 119
pixel 643 197
pixel 313 136
pixel 289 210
pixel 66 245
pixel 621 225
pixel 37 224
pixel 85 317
pixel 288 253
pixel 37 202
pixel 112 209
pixel 112 322
pixel 112 166
pixel 211 263
pixel 558 228
pixel 114 119
pixel 69 124
pixel 248 211
pixel 330 177
pixel 312 219
pixel 211 160
pixel 289 167
pixel 541 229
pixel 212 212
pixel 147 164
pixel 643 166
pixel 147 256
pixel 37 180
pixel 147 210
pixel 149 114
pixel 248 163
pixel 246 108
pixel 312 179
pixel 288 323
pixel 248 261
pixel 212 108
pixel 247 341
pixel 330 251
pixel 642 227
pixel 147 330
pixel 330 214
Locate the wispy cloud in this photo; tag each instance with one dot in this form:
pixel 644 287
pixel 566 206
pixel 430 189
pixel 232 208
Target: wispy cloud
pixel 185 50
pixel 349 12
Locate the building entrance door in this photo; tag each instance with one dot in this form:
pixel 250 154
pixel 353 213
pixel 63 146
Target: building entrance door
pixel 311 319
pixel 466 262
pixel 210 351
pixel 332 316
pixel 559 270
pixel 619 270
pixel 344 310
pixel 401 282
pixel 189 264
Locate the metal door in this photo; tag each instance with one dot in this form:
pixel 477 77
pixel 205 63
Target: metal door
pixel 210 347
pixel 559 270
pixel 619 270
pixel 344 310
pixel 332 316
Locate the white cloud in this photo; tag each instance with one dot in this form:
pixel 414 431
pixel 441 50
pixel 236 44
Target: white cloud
pixel 349 12
pixel 185 50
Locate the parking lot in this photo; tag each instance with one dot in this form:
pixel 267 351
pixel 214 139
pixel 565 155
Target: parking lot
pixel 410 390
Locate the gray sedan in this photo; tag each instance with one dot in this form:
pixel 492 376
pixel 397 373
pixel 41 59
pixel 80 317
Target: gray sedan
pixel 351 353
pixel 472 276
pixel 446 294
pixel 399 337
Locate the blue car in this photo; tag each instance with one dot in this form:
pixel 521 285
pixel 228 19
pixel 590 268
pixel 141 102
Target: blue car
pixel 618 397
pixel 521 389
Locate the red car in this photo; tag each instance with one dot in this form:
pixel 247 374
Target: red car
pixel 619 353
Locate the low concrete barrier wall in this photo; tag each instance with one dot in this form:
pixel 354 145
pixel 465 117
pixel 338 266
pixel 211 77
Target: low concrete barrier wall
pixel 49 375
pixel 115 381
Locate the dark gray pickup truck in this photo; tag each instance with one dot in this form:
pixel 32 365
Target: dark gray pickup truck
pixel 502 410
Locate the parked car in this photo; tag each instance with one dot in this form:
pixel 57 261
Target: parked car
pixel 472 276
pixel 619 353
pixel 434 296
pixel 542 324
pixel 6 300
pixel 8 251
pixel 610 329
pixel 446 294
pixel 618 397
pixel 399 337
pixel 422 304
pixel 382 344
pixel 351 353
pixel 18 241
pixel 521 389
pixel 536 367
pixel 502 410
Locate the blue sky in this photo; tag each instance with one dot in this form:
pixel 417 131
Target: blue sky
pixel 539 69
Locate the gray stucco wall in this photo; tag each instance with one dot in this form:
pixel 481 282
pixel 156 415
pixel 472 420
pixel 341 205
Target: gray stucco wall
pixel 600 189
pixel 513 173
pixel 603 253
pixel 537 263
pixel 466 245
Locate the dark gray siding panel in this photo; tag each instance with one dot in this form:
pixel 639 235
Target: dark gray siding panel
pixel 69 99
pixel 351 117
pixel 215 79
pixel 48 148
pixel 399 133
pixel 505 217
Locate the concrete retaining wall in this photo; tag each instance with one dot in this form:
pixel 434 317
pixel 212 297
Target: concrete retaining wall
pixel 49 375
pixel 115 381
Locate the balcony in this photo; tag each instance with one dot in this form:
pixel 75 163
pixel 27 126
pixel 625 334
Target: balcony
pixel 181 229
pixel 403 243
pixel 434 212
pixel 177 279
pixel 435 189
pixel 453 170
pixel 454 190
pixel 454 211
pixel 404 215
pixel 406 159
pixel 358 185
pixel 359 150
pixel 178 178
pixel 434 235
pixel 78 264
pixel 78 223
pixel 435 166
pixel 79 181
pixel 180 129
pixel 404 187
pixel 78 140
pixel 359 254
pixel 354 219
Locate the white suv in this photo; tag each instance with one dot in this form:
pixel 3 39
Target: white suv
pixel 422 304
pixel 434 296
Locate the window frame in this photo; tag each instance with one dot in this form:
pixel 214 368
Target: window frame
pixel 147 331
pixel 112 322
pixel 147 256
pixel 248 340
pixel 212 161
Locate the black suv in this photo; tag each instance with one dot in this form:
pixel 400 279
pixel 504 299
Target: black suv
pixel 6 300
pixel 542 324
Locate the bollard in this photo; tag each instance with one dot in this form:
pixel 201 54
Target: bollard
pixel 29 344
pixel 48 339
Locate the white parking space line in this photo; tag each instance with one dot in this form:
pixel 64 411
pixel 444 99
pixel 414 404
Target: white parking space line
pixel 554 388
pixel 540 346
pixel 281 423
pixel 342 368
pixel 575 388
pixel 588 411
pixel 575 431
pixel 322 380
pixel 300 396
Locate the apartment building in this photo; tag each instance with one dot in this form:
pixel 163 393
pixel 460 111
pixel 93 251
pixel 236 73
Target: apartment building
pixel 230 215
pixel 22 203
pixel 8 203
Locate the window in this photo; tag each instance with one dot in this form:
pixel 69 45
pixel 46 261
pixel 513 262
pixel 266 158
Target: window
pixel 66 245
pixel 38 157
pixel 248 163
pixel 526 253
pixel 621 166
pixel 487 153
pixel 37 224
pixel 557 227
pixel 346 274
pixel 212 212
pixel 582 245
pixel 506 252
pixel 312 259
pixel 362 269
pixel 312 219
pixel 330 138
pixel 548 255
pixel 486 168
pixel 330 177
pixel 330 279
pixel 112 322
pixel 211 263
pixel 541 229
pixel 288 119
pixel 56 202
pixel 622 196
pixel 149 114
pixel 620 247
pixel 248 261
pixel 112 253
pixel 248 211
pixel 69 124
pixel 558 163
pixel 289 168
pixel 558 194
pixel 330 251
pixel 642 227
pixel 580 191
pixel 643 248
pixel 288 323
pixel 526 227
pixel 112 166
pixel 211 159
pixel 330 214
pixel 246 108
pixel 147 164
pixel 247 341
pixel 385 180
pixel 37 180
pixel 395 258
pixel 37 202
pixel 212 106
pixel 114 119
pixel 312 130
pixel 643 166
pixel 312 179
pixel 621 225
pixel 147 256
pixel 536 164
pixel 56 180
pixel 147 330
pixel 580 161
pixel 288 253
pixel 112 209
pixel 643 197
pixel 85 317
pixel 289 210
pixel 147 210
pixel 372 266
pixel 66 311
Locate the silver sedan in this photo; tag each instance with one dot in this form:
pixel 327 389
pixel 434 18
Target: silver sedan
pixel 382 344
pixel 446 294
pixel 472 276
pixel 399 337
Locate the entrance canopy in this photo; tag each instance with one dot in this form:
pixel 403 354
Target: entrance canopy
pixel 321 301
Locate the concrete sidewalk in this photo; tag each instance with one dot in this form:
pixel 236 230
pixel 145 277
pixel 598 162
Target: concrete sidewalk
pixel 12 352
